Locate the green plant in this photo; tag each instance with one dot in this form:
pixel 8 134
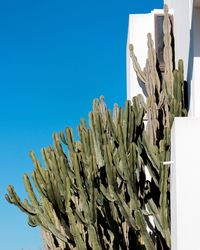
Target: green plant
pixel 99 197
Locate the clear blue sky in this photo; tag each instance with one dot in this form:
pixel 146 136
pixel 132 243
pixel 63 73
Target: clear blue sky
pixel 55 57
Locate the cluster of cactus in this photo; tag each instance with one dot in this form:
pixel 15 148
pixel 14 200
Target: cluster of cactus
pixel 98 196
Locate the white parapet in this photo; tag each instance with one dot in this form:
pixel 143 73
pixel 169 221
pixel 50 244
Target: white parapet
pixel 185 184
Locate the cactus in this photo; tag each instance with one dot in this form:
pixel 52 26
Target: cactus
pixel 98 196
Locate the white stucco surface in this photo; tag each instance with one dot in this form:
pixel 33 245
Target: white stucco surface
pixel 187 46
pixel 186 24
pixel 139 27
pixel 182 25
pixel 185 181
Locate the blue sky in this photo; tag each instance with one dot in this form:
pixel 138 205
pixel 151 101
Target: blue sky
pixel 55 58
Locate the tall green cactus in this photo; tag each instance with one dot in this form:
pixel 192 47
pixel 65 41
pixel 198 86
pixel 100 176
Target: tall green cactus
pixel 98 197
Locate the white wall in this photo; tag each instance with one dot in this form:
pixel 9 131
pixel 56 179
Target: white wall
pixel 187 46
pixel 139 26
pixel 185 180
pixel 182 25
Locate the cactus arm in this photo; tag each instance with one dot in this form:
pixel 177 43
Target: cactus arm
pixel 140 74
pixel 167 53
pixel 145 237
pixel 152 63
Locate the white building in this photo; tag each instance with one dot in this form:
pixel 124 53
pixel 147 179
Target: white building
pixel 185 170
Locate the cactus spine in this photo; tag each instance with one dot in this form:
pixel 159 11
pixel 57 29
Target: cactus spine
pixel 98 197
